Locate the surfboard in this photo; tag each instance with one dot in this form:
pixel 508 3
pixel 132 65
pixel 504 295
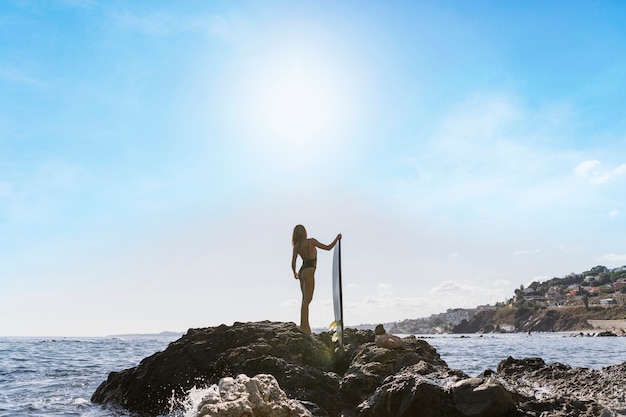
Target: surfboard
pixel 338 293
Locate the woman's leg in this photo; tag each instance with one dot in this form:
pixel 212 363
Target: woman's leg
pixel 307 285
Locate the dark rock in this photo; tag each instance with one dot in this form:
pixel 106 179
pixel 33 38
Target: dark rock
pixel 606 333
pixel 371 364
pixel 482 397
pixel 407 395
pixel 417 390
pixel 584 390
pixel 362 378
pixel 302 364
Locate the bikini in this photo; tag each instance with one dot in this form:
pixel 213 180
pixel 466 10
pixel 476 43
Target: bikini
pixel 308 263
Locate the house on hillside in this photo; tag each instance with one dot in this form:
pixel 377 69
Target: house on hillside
pixel 555 296
pixel 617 285
pixel 531 294
pixel 456 316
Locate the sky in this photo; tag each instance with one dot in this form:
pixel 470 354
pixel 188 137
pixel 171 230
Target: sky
pixel 155 157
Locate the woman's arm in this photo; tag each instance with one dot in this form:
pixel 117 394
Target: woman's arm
pixel 293 262
pixel 326 247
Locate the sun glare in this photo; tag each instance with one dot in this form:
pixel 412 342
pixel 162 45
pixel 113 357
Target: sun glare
pixel 295 104
pixel 296 100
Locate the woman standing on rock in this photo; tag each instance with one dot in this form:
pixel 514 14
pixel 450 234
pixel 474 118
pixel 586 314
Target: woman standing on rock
pixel 307 249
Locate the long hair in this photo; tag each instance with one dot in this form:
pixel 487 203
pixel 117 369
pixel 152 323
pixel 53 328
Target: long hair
pixel 299 234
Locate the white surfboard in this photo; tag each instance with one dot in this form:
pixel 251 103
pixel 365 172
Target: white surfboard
pixel 338 293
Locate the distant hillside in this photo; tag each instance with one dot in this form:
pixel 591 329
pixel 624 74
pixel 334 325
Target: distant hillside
pixel 557 304
pixel 140 335
pixel 547 319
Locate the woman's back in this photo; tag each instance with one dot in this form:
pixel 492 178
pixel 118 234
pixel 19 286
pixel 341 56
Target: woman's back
pixel 306 249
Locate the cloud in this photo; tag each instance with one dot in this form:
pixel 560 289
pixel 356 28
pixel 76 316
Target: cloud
pixel 446 287
pixel 386 307
pixel 594 172
pixel 612 257
pixel 384 286
pixel 614 214
pixel 161 24
pixel 522 252
pixel 454 294
pixel 17 76
pixel 584 169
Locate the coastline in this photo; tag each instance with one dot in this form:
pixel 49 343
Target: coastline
pixel 361 379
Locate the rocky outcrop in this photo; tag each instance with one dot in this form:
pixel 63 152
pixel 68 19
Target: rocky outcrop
pixel 304 366
pixel 545 319
pixel 374 375
pixel 597 392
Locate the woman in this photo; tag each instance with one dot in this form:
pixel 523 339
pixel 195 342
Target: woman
pixel 307 249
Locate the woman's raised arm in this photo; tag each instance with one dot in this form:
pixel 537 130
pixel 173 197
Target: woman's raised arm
pixel 326 247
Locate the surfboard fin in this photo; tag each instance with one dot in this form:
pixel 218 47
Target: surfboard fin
pixel 332 327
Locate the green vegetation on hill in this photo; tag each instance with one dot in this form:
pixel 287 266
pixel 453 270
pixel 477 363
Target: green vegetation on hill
pixel 545 319
pixel 557 304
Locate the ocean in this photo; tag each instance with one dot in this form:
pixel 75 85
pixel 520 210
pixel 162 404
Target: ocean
pixel 57 376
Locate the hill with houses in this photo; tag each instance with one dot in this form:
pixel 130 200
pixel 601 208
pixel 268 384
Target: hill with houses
pixel 557 304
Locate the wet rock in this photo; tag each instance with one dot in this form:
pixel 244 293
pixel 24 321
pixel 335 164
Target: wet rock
pixel 482 397
pixel 302 364
pixel 364 378
pixel 371 364
pixel 418 390
pixel 589 391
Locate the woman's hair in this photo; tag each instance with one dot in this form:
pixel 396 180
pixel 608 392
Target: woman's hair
pixel 299 234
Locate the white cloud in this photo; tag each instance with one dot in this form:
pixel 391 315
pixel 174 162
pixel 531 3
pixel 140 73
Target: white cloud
pixel 594 172
pixel 446 286
pixel 584 169
pixel 612 257
pixel 620 170
pixel 17 76
pixel 384 286
pixel 290 303
pixel 614 214
pixel 167 24
pixel 452 294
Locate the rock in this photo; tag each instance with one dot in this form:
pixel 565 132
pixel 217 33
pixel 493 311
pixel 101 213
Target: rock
pixel 389 341
pixel 259 396
pixel 302 364
pixel 371 376
pixel 417 390
pixel 606 333
pixel 585 391
pixel 371 364
pixel 482 397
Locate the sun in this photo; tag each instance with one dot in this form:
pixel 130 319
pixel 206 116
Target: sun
pixel 295 99
pixel 296 103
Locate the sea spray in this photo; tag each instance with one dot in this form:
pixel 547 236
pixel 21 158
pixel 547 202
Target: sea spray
pixel 259 396
pixel 188 406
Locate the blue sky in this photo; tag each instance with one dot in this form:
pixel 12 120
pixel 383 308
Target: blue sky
pixel 155 156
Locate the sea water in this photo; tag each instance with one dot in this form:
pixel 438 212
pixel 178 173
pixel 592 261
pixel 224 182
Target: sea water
pixel 56 377
pixel 474 353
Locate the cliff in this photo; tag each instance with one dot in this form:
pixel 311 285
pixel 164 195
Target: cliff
pixel 554 319
pixel 268 369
